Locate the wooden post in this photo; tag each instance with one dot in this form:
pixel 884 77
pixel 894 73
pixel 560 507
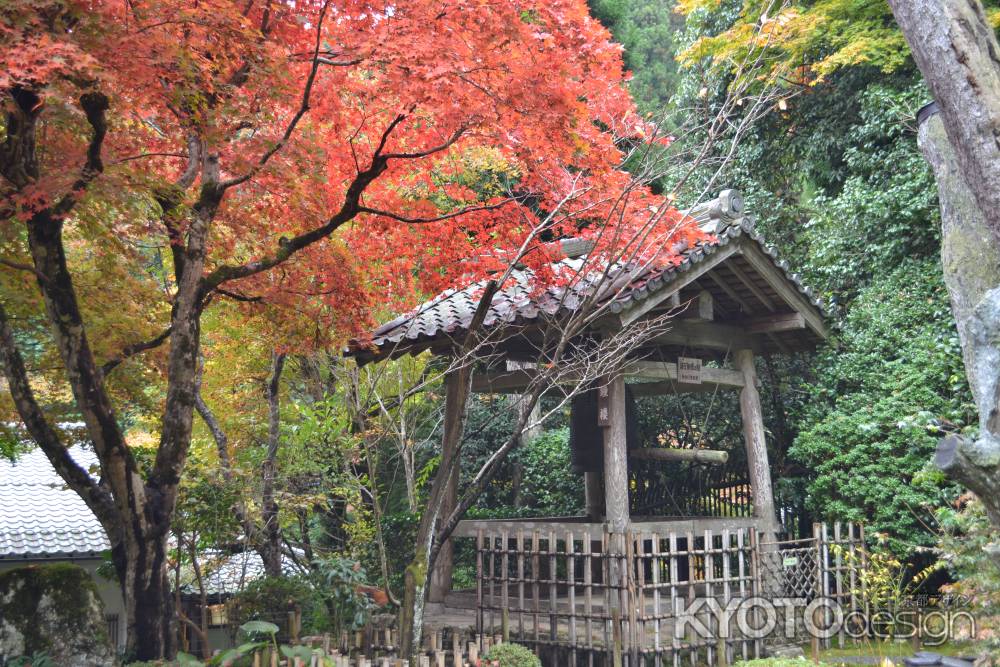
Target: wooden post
pixel 615 502
pixel 616 458
pixel 440 583
pixel 756 446
pixel 592 495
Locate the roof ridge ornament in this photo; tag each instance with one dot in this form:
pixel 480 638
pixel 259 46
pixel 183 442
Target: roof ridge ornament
pixel 714 215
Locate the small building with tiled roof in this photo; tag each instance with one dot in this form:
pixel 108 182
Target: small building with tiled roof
pixel 43 521
pixel 727 299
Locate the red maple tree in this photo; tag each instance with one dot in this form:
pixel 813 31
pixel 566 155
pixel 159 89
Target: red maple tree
pixel 306 154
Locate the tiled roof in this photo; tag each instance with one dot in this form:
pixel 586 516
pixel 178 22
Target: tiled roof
pixel 224 574
pixel 653 281
pixel 40 517
pixel 451 312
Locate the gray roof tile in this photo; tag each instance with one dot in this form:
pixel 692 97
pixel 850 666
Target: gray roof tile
pixel 39 516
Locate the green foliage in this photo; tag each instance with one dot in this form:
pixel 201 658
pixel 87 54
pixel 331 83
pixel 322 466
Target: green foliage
pixel 36 659
pixel 548 484
pixel 327 598
pixel 647 29
pixel 885 208
pixel 965 531
pixel 399 532
pixel 802 41
pixel 338 578
pixel 262 637
pixel 883 393
pixel 269 599
pixel 512 655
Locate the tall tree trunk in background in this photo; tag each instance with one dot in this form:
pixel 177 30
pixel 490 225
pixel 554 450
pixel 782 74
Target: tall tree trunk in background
pixel 958 54
pixel 417 575
pixel 270 548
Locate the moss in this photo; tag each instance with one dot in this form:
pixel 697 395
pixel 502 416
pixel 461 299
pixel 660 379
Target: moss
pixel 71 592
pixel 417 569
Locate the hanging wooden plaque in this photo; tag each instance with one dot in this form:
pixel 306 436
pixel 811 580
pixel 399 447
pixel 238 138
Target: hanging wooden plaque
pixel 688 370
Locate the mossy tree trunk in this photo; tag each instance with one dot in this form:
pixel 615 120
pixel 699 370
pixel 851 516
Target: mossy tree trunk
pixel 958 54
pixel 457 389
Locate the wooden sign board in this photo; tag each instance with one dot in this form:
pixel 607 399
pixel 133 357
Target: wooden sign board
pixel 688 370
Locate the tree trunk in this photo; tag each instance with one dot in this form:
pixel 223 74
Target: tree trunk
pixel 958 54
pixel 270 549
pixel 417 572
pixel 141 564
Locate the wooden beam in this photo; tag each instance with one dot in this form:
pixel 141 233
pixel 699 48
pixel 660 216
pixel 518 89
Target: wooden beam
pixel 503 382
pixel 710 335
pixel 714 456
pixel 717 306
pixel 516 381
pixel 669 387
pixel 637 309
pixel 774 323
pixel 749 284
pixel 730 292
pixel 790 294
pixel 700 309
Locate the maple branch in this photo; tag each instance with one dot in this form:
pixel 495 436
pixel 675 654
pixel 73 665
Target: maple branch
pixel 186 179
pixel 348 211
pixel 134 349
pixel 219 435
pixel 144 155
pixel 46 437
pixel 455 136
pixel 446 216
pixel 23 267
pixel 303 108
pixel 94 105
pixel 239 297
pixel 339 63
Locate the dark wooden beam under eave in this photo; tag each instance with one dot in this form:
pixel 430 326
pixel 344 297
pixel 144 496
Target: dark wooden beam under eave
pixel 788 292
pixel 707 335
pixel 637 310
pixel 774 323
